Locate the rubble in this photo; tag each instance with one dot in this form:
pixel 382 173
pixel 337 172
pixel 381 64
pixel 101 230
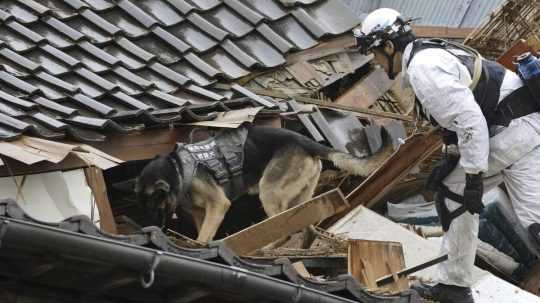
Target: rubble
pixel 90 91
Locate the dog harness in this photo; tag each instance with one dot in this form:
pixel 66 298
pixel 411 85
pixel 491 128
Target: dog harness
pixel 222 156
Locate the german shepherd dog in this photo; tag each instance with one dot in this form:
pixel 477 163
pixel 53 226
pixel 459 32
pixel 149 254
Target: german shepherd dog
pixel 282 166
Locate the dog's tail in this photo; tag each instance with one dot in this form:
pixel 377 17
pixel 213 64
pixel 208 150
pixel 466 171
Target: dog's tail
pixel 344 161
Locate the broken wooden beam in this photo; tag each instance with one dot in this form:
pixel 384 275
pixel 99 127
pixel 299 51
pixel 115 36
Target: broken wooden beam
pixel 370 260
pixel 415 149
pixel 442 32
pixel 407 271
pixel 367 90
pixel 353 109
pixel 287 223
pixel 95 180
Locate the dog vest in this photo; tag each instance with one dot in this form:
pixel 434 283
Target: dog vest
pixel 222 156
pixel 486 93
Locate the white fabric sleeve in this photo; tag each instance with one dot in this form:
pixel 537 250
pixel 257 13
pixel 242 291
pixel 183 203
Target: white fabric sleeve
pixel 438 82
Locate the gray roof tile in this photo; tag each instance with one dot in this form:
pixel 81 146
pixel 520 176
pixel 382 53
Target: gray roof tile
pixel 161 11
pixel 220 60
pixel 131 27
pixel 195 37
pixel 261 50
pixel 206 4
pixel 72 68
pixel 226 19
pixel 270 9
pixel 295 33
pixel 18 10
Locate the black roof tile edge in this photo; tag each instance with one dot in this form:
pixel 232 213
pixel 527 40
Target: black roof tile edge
pixel 154 237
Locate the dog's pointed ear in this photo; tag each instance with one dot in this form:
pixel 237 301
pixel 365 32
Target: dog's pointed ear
pixel 162 185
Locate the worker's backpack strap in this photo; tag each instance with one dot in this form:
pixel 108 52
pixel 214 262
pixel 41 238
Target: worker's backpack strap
pixel 487 77
pixel 421 44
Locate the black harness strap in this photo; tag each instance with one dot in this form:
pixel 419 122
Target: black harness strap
pixel 487 92
pixel 222 156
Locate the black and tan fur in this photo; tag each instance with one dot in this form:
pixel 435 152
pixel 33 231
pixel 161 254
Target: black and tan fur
pixel 282 166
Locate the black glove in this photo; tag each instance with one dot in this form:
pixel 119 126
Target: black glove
pixel 472 196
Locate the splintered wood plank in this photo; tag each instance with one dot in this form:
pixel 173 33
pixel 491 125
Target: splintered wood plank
pixel 367 90
pixel 287 223
pixel 94 177
pixel 371 260
pixel 416 149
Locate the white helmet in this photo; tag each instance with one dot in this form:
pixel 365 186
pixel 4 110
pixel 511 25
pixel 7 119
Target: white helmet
pixel 380 25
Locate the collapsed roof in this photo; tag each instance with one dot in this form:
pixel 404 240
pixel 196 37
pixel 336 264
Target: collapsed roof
pixel 79 69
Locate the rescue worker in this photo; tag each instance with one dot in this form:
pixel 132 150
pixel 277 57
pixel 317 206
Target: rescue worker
pixel 490 115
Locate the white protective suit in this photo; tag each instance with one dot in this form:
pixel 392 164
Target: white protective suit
pixel 504 154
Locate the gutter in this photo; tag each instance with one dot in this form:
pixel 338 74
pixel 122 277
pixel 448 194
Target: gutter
pixel 154 264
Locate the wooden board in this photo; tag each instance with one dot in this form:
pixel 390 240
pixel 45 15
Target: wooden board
pixel 287 223
pixel 94 177
pixel 517 49
pixel 360 112
pixel 371 260
pixel 441 32
pixel 411 153
pixel 367 90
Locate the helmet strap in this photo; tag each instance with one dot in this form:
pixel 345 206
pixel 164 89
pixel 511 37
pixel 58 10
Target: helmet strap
pixel 390 59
